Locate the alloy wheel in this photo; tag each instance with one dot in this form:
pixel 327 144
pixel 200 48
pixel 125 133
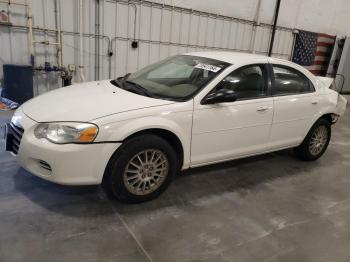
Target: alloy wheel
pixel 146 172
pixel 318 140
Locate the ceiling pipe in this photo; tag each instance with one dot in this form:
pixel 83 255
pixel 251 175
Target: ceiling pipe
pixel 46 38
pixel 277 9
pixel 58 34
pixel 255 27
pixel 30 34
pixel 97 40
pixel 81 46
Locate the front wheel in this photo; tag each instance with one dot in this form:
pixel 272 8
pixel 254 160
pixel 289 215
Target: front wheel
pixel 141 169
pixel 316 141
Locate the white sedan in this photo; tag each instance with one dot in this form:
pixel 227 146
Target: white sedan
pixel 134 133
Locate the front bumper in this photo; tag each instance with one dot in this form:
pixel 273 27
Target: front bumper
pixel 68 164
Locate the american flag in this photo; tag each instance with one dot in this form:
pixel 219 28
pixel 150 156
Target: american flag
pixel 313 51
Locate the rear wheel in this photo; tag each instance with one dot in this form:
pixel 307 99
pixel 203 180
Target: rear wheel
pixel 141 169
pixel 316 141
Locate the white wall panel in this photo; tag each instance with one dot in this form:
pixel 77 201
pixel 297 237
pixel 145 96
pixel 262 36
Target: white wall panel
pixel 165 26
pixel 161 31
pixel 202 32
pixel 156 21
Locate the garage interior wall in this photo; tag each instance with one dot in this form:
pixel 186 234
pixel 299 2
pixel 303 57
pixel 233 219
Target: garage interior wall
pixel 160 28
pixel 330 17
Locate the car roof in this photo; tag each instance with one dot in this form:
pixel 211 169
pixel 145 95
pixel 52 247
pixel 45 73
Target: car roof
pixel 239 57
pixel 229 56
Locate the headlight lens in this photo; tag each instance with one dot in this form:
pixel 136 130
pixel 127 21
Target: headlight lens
pixel 67 132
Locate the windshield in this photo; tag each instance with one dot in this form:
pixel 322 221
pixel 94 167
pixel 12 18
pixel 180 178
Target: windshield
pixel 176 78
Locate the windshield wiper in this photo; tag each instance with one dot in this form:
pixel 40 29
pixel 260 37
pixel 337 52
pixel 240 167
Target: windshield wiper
pixel 120 81
pixel 132 86
pixel 138 88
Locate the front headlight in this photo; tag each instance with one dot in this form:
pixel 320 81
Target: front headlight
pixel 67 132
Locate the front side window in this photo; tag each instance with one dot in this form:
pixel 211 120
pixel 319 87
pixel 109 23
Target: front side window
pixel 247 82
pixel 289 81
pixel 176 78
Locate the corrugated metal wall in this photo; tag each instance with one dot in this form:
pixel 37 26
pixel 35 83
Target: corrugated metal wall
pixel 161 31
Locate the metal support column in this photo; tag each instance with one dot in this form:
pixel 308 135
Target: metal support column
pixel 274 26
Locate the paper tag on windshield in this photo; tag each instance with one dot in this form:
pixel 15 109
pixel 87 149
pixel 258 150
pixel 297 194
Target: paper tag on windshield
pixel 208 67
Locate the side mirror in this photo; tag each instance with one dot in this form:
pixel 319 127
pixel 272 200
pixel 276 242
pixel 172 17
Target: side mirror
pixel 220 96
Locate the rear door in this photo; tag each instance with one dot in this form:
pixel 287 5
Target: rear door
pixel 295 104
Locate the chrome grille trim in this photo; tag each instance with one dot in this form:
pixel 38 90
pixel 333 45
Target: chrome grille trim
pixel 17 133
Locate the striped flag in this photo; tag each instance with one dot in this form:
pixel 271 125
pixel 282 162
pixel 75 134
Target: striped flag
pixel 313 51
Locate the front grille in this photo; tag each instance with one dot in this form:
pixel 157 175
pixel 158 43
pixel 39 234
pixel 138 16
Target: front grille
pixel 17 133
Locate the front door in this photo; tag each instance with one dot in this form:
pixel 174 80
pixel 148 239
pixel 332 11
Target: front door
pixel 225 131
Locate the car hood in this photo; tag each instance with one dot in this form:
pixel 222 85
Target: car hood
pixel 86 102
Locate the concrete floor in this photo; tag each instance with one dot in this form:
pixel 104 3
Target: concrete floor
pixel 267 208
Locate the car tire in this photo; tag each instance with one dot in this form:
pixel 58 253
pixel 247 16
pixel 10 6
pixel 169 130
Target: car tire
pixel 315 142
pixel 133 175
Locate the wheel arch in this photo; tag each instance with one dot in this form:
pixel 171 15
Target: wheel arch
pixel 328 117
pixel 168 136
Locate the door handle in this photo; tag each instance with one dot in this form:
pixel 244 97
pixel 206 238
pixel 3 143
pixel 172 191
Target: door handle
pixel 314 102
pixel 262 108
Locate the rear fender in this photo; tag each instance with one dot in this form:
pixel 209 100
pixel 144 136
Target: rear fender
pixel 341 105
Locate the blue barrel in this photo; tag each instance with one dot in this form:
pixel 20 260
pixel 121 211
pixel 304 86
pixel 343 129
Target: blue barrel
pixel 18 82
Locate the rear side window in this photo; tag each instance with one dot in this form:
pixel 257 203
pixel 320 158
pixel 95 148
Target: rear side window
pixel 248 82
pixel 289 81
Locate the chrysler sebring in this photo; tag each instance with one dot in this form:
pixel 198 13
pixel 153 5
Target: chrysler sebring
pixel 134 133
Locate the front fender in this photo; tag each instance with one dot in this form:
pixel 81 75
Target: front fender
pixel 178 123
